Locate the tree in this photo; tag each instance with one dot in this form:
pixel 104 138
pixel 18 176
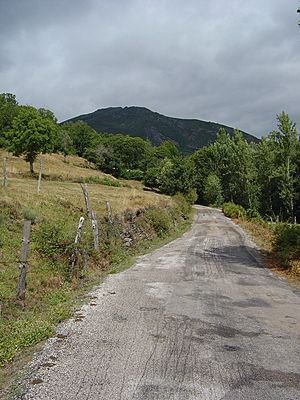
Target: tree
pixel 31 134
pixel 8 111
pixel 64 143
pixel 213 191
pixel 83 136
pixel 285 145
pixel 176 176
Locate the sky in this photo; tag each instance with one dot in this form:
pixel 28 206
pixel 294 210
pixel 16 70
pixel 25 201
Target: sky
pixel 227 61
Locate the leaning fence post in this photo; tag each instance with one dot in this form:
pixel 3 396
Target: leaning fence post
pixel 4 172
pixel 73 257
pixel 95 231
pixel 86 199
pixel 40 175
pixel 23 262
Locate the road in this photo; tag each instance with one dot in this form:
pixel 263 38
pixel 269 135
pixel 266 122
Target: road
pixel 200 318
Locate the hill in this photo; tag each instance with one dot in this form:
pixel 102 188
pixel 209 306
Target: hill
pixel 188 134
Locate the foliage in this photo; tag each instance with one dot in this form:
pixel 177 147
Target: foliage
pixel 135 174
pixel 160 219
pixel 175 176
pixel 32 132
pixel 232 210
pixel 286 241
pixel 8 111
pixel 191 196
pixel 52 239
pixel 29 215
pixel 150 177
pixel 253 214
pixel 213 191
pixel 82 136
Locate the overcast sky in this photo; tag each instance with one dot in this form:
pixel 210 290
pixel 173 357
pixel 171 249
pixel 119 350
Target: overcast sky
pixel 227 61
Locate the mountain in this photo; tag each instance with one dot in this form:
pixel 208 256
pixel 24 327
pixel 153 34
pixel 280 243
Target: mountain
pixel 188 134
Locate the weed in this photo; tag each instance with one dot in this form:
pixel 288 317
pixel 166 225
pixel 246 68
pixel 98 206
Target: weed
pixel 29 215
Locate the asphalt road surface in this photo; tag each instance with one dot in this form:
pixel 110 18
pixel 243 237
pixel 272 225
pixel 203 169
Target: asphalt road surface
pixel 200 318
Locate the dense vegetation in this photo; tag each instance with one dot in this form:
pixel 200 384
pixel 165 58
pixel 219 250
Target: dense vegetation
pixel 188 134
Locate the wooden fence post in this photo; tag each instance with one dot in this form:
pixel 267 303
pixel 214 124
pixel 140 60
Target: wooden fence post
pixel 73 257
pixel 4 172
pixel 40 175
pixel 95 231
pixel 23 262
pixel 109 213
pixel 86 199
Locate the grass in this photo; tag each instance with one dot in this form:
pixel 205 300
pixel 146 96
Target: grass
pixel 263 235
pixel 52 291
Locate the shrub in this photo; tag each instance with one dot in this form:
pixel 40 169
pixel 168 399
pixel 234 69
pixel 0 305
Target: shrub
pixel 150 178
pixel 232 210
pixel 252 213
pixel 286 241
pixel 191 196
pixel 29 214
pixel 135 174
pixel 184 206
pixel 52 240
pixel 160 219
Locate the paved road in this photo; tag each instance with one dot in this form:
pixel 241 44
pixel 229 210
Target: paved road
pixel 199 318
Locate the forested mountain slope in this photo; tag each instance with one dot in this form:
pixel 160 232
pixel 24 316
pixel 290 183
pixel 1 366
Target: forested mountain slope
pixel 188 134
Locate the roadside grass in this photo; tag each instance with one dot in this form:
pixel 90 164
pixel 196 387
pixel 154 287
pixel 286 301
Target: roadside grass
pixel 51 292
pixel 263 233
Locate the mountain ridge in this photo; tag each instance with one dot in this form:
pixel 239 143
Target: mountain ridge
pixel 188 134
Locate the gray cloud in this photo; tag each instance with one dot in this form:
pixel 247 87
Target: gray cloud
pixel 235 63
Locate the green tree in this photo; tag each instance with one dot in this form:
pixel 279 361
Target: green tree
pixel 83 136
pixel 31 134
pixel 166 149
pixel 64 143
pixel 8 111
pixel 265 162
pixel 285 145
pixel 176 176
pixel 213 191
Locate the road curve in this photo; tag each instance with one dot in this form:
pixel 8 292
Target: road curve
pixel 200 318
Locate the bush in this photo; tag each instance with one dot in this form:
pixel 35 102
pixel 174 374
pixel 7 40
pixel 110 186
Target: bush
pixel 150 178
pixel 29 215
pixel 160 219
pixel 191 196
pixel 135 174
pixel 286 241
pixel 52 240
pixel 252 213
pixel 232 210
pixel 184 206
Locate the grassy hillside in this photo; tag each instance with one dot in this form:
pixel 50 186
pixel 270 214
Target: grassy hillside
pixel 188 134
pixel 139 216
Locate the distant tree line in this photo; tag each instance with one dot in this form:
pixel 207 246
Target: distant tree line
pixel 262 177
